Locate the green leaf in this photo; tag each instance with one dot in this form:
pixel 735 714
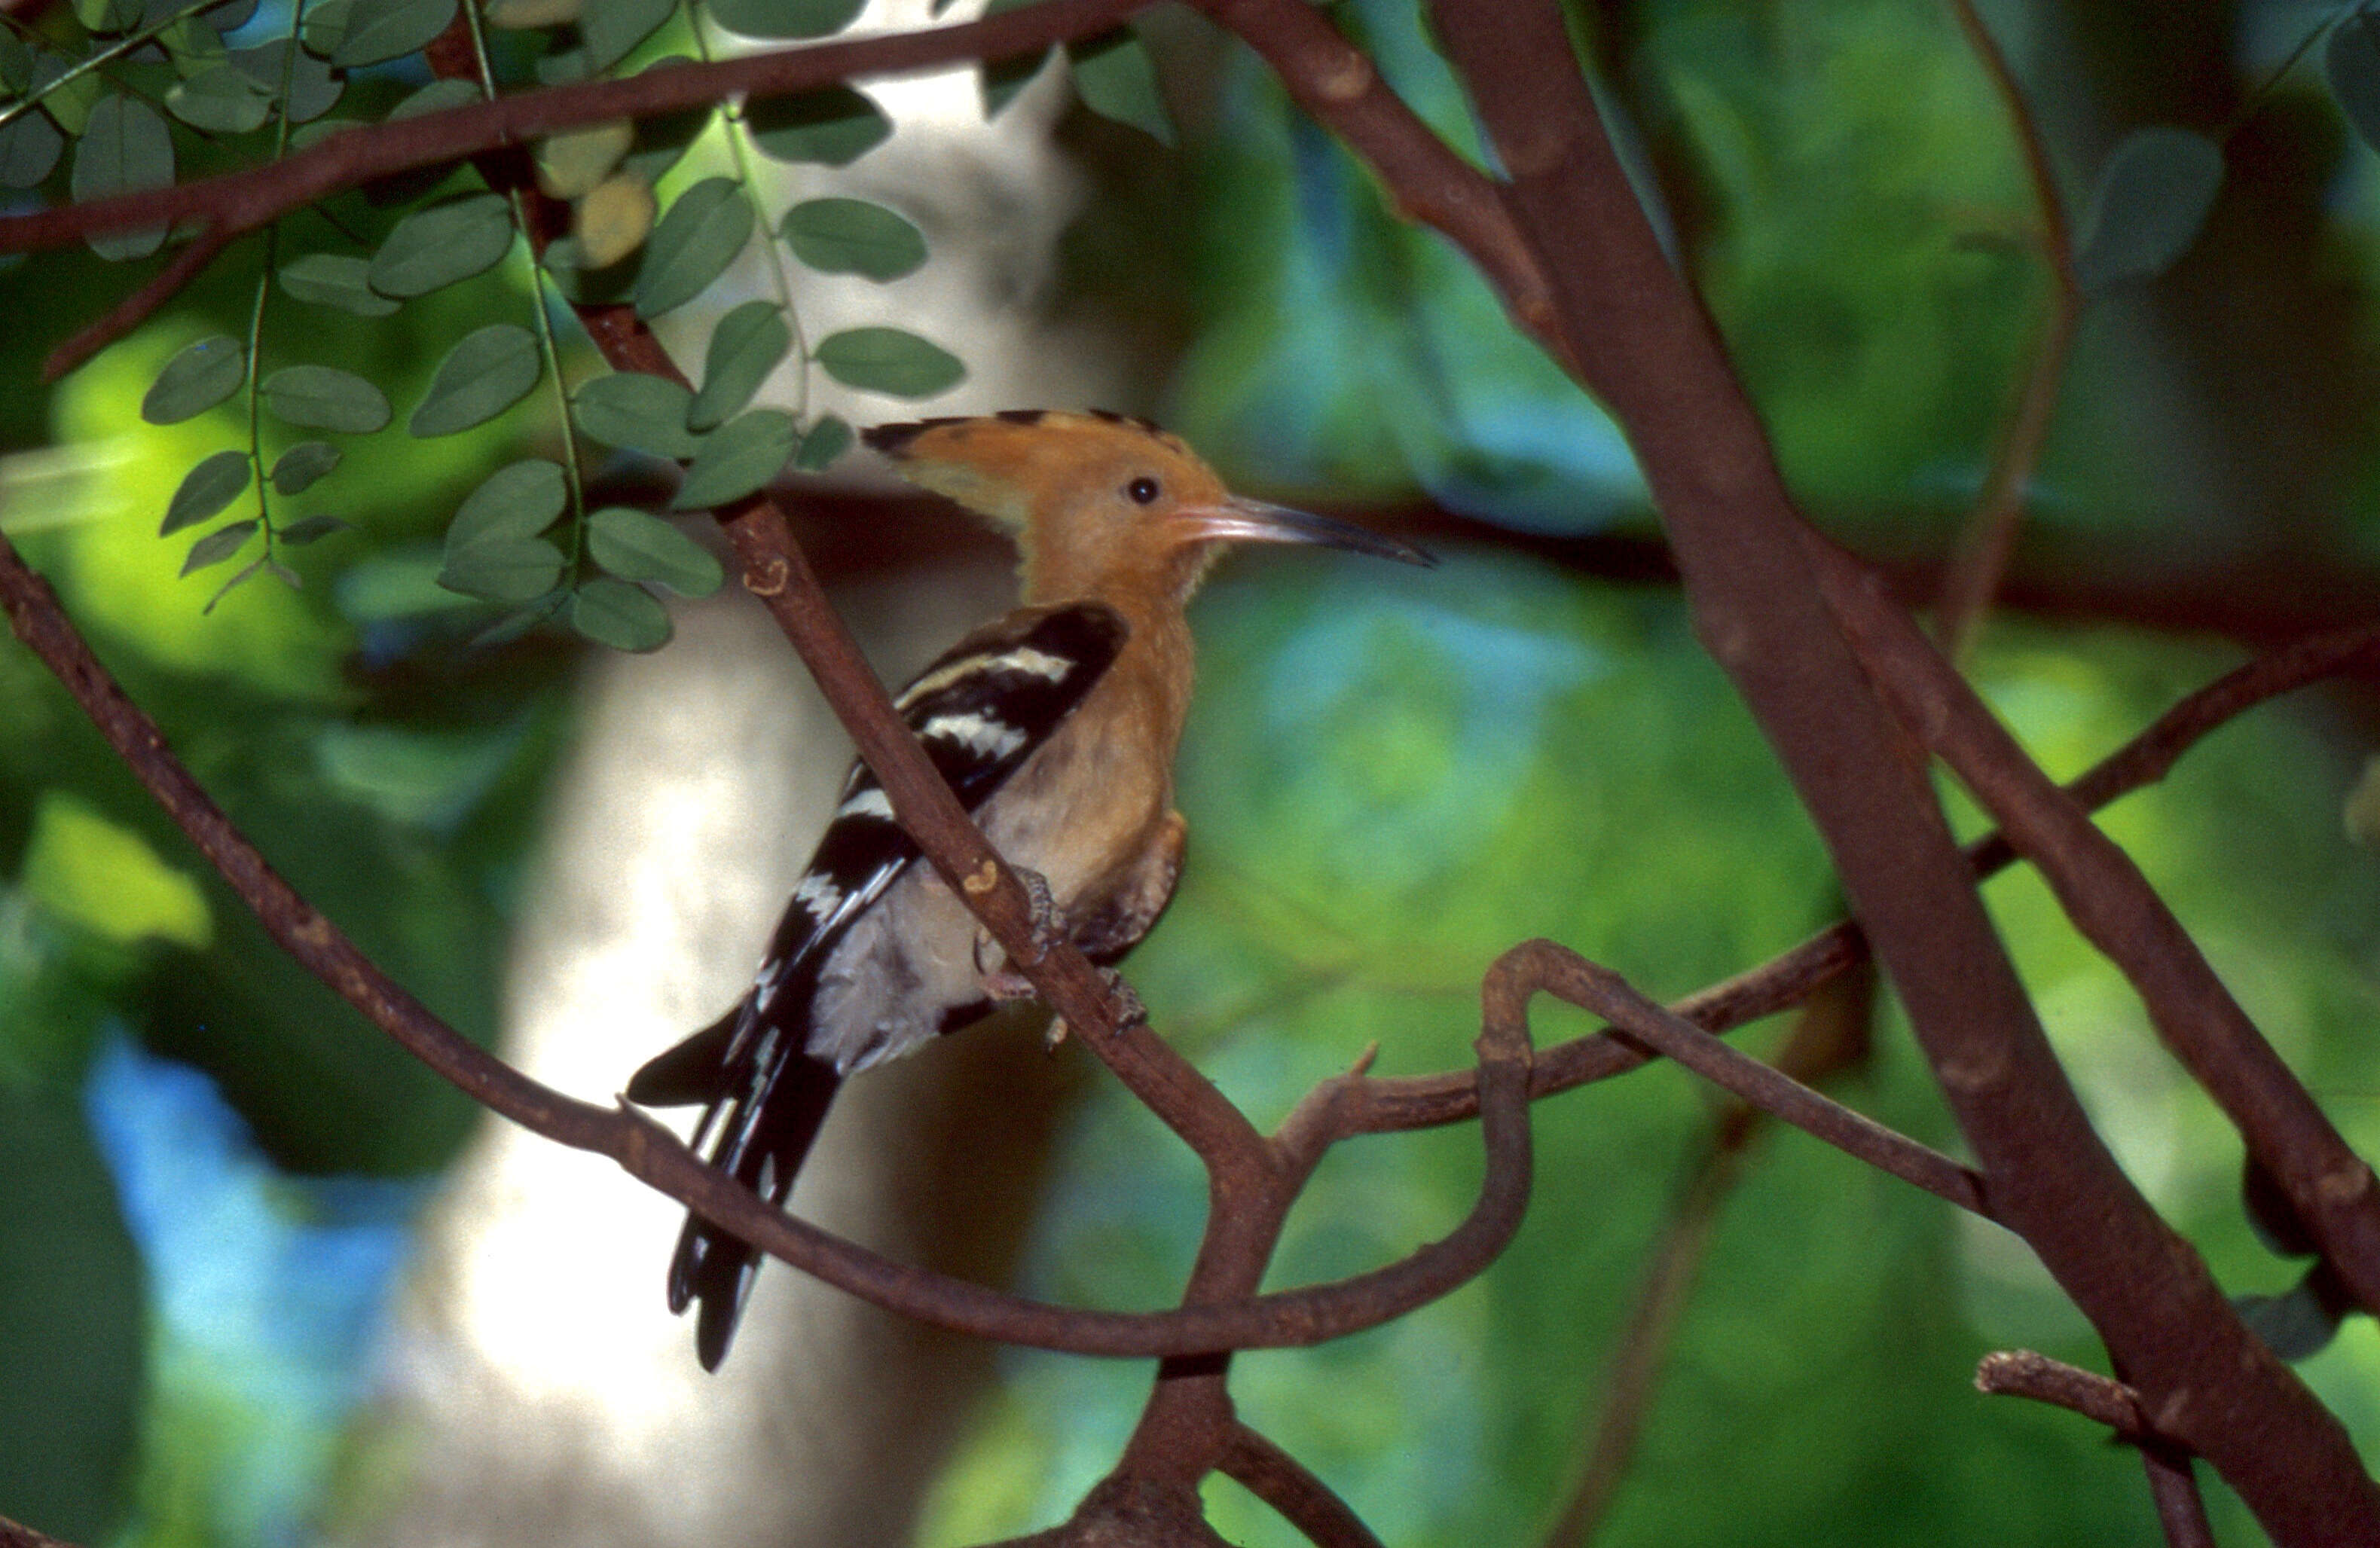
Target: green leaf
pixel 107 16
pixel 314 90
pixel 638 413
pixel 744 347
pixel 695 242
pixel 513 625
pixel 437 97
pixel 738 457
pixel 491 369
pixel 2152 195
pixel 576 162
pixel 30 146
pixel 616 613
pixel 303 465
pixel 638 547
pixel 853 236
pixel 520 499
pixel 305 137
pixel 889 361
pixel 833 125
pixel 441 243
pixel 218 544
pixel 326 398
pixel 379 30
pixel 2351 62
pixel 198 377
pixel 248 572
pixel 827 439
pixel 661 142
pixel 785 19
pixel 608 28
pixel 502 569
pixel 190 45
pixel 1003 78
pixel 2295 1327
pixel 69 105
pixel 297 534
pixel 16 66
pixel 326 23
pixel 205 490
pixel 336 280
pixel 1115 79
pixel 221 100
pixel 125 147
pixel 561 65
pixel 233 15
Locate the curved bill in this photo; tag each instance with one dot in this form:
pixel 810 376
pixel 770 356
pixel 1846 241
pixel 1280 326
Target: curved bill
pixel 1256 521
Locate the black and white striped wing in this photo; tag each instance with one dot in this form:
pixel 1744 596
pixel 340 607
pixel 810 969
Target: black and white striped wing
pixel 980 710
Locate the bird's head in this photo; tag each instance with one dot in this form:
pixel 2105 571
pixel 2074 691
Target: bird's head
pixel 1102 505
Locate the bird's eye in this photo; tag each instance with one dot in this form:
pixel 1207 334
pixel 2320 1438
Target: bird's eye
pixel 1141 491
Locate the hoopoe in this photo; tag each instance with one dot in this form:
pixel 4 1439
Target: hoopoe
pixel 1056 726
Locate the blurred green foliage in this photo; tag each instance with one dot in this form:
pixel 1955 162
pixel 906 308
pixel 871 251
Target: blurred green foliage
pixel 393 777
pixel 1392 777
pixel 1818 1389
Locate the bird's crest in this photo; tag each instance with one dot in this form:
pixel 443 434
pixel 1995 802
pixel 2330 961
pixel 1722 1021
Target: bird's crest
pixel 996 464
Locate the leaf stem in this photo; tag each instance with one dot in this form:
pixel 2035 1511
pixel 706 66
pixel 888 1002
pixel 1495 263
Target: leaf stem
pixel 548 351
pixel 736 136
pixel 92 61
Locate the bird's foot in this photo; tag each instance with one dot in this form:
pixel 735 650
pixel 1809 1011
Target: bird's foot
pixel 1130 1012
pixel 1049 929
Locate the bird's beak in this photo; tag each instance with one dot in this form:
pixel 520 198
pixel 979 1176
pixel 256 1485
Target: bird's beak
pixel 1255 521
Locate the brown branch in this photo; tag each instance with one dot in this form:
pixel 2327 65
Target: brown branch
pixel 1834 1033
pixel 1990 540
pixel 2172 1484
pixel 136 308
pixel 1981 561
pixel 241 201
pixel 1641 339
pixel 1769 1089
pixel 2113 906
pixel 1304 1500
pixel 1641 1347
pixel 1340 89
pixel 2023 1373
pixel 15 1534
pixel 1422 1101
pixel 651 1153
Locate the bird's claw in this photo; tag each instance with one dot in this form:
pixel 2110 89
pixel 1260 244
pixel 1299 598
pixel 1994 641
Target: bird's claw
pixel 1130 1012
pixel 1047 929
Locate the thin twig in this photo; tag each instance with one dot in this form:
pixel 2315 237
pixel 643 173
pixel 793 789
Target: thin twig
pixel 1304 1500
pixel 2112 904
pixel 1340 88
pixel 1833 1033
pixel 651 1153
pixel 1639 337
pixel 1983 551
pixel 1415 1102
pixel 1625 1394
pixel 240 201
pixel 2173 1484
pixel 16 1535
pixel 1772 1091
pixel 2023 1373
pixel 137 309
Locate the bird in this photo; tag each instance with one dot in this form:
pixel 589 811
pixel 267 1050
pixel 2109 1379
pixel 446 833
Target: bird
pixel 1056 726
